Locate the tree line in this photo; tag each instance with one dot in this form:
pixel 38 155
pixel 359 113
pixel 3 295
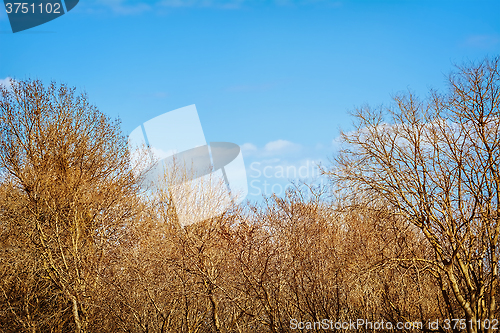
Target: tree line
pixel 407 230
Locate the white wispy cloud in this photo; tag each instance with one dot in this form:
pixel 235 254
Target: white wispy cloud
pixel 276 166
pixel 280 146
pixel 482 41
pixel 135 7
pixel 248 148
pixel 225 4
pixel 118 7
pixel 272 148
pixel 5 82
pixel 283 154
pixel 235 4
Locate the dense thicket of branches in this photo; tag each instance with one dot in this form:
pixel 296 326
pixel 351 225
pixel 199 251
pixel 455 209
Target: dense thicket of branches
pixel 411 234
pixel 437 164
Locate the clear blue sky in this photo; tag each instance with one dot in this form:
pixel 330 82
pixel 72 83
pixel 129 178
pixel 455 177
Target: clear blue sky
pixel 277 77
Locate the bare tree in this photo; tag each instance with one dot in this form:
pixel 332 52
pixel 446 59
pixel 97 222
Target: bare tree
pixel 68 190
pixel 436 164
